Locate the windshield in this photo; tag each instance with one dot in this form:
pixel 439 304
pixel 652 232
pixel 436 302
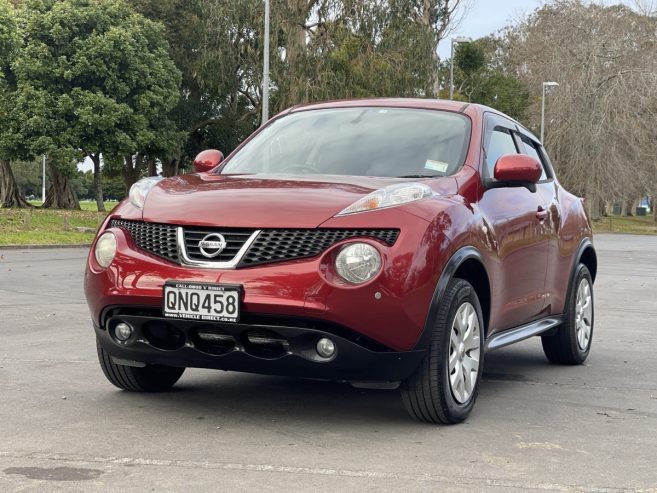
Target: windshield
pixel 385 142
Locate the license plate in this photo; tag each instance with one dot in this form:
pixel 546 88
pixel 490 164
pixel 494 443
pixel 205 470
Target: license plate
pixel 195 301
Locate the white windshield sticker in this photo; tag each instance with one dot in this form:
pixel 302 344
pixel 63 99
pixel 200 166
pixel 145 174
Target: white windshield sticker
pixel 436 166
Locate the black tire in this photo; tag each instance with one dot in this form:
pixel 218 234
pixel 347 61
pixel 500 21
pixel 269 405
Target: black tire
pixel 563 347
pixel 150 378
pixel 427 394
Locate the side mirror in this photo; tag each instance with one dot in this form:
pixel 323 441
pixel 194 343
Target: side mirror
pixel 518 169
pixel 207 160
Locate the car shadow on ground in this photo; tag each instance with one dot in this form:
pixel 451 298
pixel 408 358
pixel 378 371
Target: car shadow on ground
pixel 209 394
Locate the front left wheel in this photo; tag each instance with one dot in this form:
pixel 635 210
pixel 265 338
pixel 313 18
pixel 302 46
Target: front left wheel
pixel 444 387
pixel 149 378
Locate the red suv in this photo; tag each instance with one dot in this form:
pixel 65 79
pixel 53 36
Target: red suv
pixel 368 241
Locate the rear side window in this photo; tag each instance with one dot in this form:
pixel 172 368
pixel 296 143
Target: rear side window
pixel 501 143
pixel 529 148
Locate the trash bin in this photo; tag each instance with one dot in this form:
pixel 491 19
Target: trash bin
pixel 640 211
pixel 616 209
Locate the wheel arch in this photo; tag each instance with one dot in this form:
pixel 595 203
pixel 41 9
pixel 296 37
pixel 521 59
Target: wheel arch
pixel 587 256
pixel 466 263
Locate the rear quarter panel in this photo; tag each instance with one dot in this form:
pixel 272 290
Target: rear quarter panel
pixel 574 228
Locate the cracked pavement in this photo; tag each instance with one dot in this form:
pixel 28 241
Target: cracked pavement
pixel 536 426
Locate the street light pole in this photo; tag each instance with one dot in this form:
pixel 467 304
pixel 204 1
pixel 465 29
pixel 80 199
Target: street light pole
pixel 545 84
pixel 43 183
pixel 460 39
pixel 265 69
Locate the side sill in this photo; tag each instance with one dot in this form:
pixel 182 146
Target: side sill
pixel 523 332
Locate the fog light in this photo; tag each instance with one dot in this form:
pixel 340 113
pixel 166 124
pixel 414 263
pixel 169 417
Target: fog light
pixel 123 331
pixel 325 347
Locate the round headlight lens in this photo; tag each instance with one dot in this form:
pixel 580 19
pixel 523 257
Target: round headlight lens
pixel 105 249
pixel 358 263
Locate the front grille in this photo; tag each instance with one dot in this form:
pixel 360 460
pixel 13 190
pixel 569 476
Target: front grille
pixel 271 245
pixel 276 245
pixel 158 239
pixel 235 239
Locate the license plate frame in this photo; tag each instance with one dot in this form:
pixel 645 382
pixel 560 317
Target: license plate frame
pixel 202 289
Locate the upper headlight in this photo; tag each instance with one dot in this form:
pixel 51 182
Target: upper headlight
pixel 105 249
pixel 358 262
pixel 390 196
pixel 140 189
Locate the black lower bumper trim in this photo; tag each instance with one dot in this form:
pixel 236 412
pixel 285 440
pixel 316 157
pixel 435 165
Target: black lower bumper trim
pixel 251 348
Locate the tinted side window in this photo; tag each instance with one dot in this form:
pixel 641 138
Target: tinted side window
pixel 529 149
pixel 501 143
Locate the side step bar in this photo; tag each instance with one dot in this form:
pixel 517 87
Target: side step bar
pixel 523 332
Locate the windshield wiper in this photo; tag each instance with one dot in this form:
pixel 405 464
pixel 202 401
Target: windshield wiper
pixel 418 176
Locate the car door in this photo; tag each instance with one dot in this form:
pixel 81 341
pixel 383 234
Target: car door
pixel 548 190
pixel 516 218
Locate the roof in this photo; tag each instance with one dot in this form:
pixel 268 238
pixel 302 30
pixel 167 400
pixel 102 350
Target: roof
pixel 434 104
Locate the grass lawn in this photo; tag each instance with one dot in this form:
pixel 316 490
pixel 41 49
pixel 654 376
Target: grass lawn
pixel 50 227
pixel 635 224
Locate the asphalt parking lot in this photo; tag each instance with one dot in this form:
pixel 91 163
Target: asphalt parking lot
pixel 536 426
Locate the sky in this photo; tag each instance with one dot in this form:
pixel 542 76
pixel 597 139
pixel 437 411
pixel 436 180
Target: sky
pixel 488 16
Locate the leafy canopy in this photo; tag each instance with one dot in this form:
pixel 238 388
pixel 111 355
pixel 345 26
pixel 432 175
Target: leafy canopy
pixel 93 75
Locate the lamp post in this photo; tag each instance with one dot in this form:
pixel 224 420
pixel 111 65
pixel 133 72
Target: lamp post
pixel 545 84
pixel 455 41
pixel 43 178
pixel 265 69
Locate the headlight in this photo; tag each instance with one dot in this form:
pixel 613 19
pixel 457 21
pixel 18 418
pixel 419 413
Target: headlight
pixel 358 263
pixel 392 195
pixel 105 249
pixel 139 190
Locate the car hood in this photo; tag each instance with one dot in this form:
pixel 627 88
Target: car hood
pixel 253 201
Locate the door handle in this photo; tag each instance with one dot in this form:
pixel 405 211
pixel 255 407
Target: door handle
pixel 541 214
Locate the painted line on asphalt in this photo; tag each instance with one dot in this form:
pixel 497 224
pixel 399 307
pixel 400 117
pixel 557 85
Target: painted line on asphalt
pixel 347 473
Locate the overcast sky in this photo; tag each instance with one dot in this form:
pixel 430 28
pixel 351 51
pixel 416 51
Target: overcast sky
pixel 488 16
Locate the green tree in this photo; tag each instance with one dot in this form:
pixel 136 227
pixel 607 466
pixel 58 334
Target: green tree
pixel 94 77
pixel 10 140
pixel 480 77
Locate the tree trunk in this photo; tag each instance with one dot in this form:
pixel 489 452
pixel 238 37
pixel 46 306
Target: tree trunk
pixel 171 167
pixel 433 89
pixel 60 194
pixel 10 196
pixel 98 182
pixel 594 207
pixel 295 49
pixel 152 167
pixel 130 170
pixel 626 209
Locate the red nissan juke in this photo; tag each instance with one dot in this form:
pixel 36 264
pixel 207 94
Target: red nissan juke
pixel 372 241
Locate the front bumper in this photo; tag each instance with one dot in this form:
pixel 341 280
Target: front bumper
pixel 375 326
pixel 391 309
pixel 266 345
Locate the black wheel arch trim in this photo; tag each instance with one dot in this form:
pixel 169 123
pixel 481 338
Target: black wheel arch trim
pixel 585 244
pixel 452 265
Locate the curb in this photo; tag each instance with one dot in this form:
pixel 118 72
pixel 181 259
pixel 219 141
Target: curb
pixel 43 247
